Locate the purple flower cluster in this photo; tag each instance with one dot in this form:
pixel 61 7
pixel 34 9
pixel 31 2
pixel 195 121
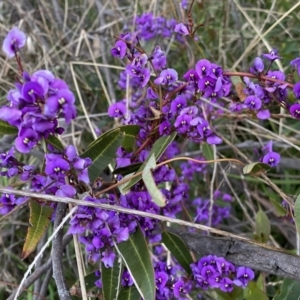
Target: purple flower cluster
pixel 36 102
pixel 263 94
pixel 216 272
pixel 220 210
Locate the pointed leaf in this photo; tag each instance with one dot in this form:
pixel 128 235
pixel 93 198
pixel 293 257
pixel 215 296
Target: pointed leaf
pixel 128 169
pixel 130 133
pixel 279 208
pixel 290 290
pixel 262 227
pixel 297 213
pixel 208 152
pixel 135 255
pixel 102 152
pixel 255 167
pixel 158 149
pixel 157 196
pixel 6 128
pixel 252 292
pixel 129 293
pixel 55 142
pixel 111 280
pixel 40 216
pixel 178 249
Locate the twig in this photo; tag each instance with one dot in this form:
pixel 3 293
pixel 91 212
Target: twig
pixel 57 254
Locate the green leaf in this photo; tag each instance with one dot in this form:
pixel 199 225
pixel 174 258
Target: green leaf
pixel 155 193
pixel 128 169
pixel 135 255
pixel 6 128
pixel 102 151
pixel 252 292
pixel 236 294
pixel 40 217
pixel 278 207
pixel 297 213
pixel 158 149
pixel 129 293
pixel 55 142
pixel 208 152
pixel 130 133
pixel 178 249
pixel 262 227
pixel 255 167
pixel 111 280
pixel 290 290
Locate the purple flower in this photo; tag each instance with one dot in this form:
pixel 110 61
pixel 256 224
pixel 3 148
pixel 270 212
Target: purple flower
pixel 108 258
pixel 226 285
pixel 181 29
pixel 164 128
pixel 295 63
pixel 117 110
pixel 140 60
pixel 258 65
pixel 263 114
pixel 243 276
pixel 178 104
pixel 182 123
pixel 296 90
pixel 15 40
pixel 253 102
pixel 26 140
pixel 273 55
pixel 167 77
pixel 64 99
pixel 161 280
pixel 31 91
pixel 203 68
pixel 66 190
pixel 295 110
pixel 119 50
pixel 271 158
pixel 56 166
pixel 159 58
pixel 178 288
pixel 11 115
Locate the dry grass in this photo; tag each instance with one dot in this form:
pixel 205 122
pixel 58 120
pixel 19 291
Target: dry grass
pixel 73 38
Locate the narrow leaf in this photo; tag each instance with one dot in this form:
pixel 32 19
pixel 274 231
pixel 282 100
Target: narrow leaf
pixel 290 290
pixel 207 151
pixel 281 212
pixel 6 128
pixel 129 293
pixel 262 227
pixel 255 167
pixel 40 216
pixel 130 133
pixel 158 149
pixel 55 142
pixel 111 278
pixel 297 213
pixel 128 169
pixel 155 193
pixel 178 249
pixel 102 152
pixel 135 255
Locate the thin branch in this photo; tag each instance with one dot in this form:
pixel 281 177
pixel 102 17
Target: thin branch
pixel 57 254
